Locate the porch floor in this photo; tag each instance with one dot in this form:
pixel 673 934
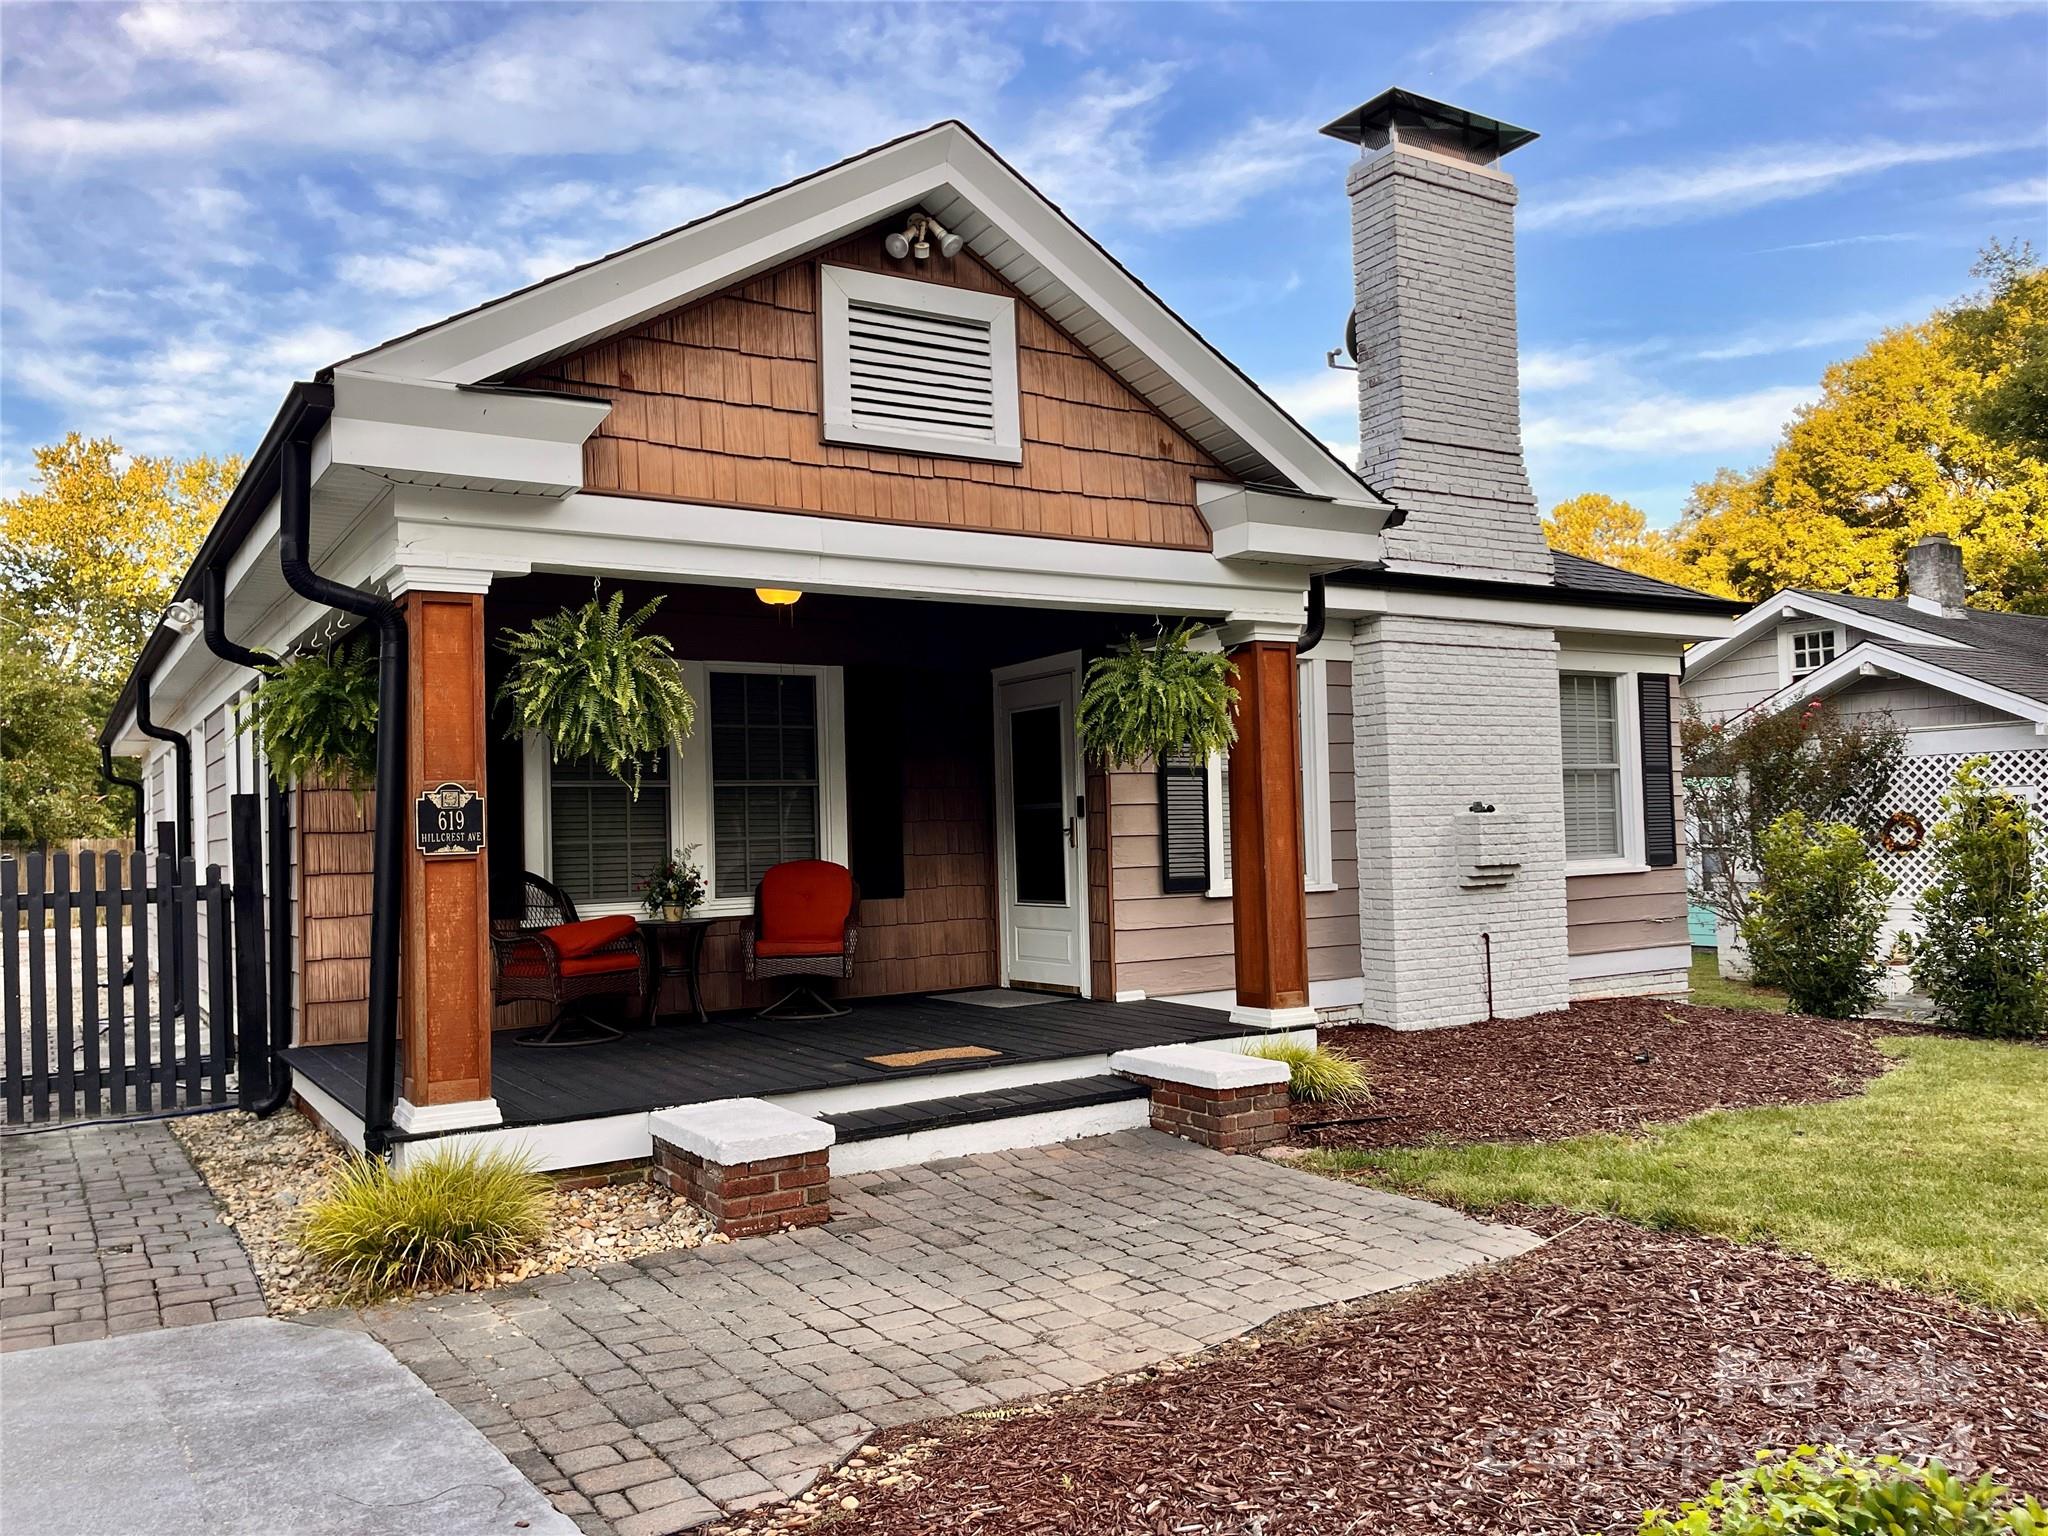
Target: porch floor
pixel 685 1062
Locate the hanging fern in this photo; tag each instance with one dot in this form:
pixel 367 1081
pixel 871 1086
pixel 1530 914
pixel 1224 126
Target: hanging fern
pixel 316 716
pixel 1144 701
pixel 597 688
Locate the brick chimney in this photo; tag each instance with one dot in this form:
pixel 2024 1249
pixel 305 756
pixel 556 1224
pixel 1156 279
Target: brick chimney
pixel 1934 576
pixel 1439 408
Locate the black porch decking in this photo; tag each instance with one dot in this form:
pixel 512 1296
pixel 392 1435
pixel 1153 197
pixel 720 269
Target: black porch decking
pixel 744 1057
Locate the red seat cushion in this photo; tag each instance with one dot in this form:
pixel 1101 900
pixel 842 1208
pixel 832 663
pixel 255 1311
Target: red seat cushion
pixel 600 965
pixel 573 939
pixel 804 903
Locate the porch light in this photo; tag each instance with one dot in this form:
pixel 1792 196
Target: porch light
pixel 777 597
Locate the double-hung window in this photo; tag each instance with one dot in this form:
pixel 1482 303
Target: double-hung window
pixel 602 840
pixel 765 806
pixel 1594 802
pixel 1313 702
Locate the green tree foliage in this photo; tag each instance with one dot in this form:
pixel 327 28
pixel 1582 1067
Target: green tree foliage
pixel 1144 701
pixel 1811 1491
pixel 1983 952
pixel 50 785
pixel 1816 918
pixel 2001 336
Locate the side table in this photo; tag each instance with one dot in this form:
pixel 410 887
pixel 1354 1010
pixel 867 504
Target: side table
pixel 678 949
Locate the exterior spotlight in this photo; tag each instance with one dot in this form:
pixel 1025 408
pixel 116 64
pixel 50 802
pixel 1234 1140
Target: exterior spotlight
pixel 949 243
pixel 182 617
pixel 896 243
pixel 777 597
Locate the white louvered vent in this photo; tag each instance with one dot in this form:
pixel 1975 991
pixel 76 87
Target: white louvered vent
pixel 919 366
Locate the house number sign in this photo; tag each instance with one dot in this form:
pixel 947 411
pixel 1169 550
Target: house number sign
pixel 451 820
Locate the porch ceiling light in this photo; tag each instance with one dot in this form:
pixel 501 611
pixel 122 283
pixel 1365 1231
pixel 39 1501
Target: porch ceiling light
pixel 777 597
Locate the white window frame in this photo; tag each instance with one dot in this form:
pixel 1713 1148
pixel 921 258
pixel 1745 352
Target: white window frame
pixel 839 285
pixel 1786 639
pixel 1628 721
pixel 689 801
pixel 1312 701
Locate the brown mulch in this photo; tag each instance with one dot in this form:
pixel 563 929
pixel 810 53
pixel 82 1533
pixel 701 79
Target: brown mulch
pixel 1608 1065
pixel 1611 1370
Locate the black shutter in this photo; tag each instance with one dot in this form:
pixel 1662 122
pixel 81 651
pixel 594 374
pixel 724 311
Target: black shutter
pixel 1183 824
pixel 874 779
pixel 1660 808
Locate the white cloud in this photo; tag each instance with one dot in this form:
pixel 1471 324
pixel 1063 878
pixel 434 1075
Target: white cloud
pixel 2031 193
pixel 1660 423
pixel 1747 179
pixel 1853 329
pixel 1838 241
pixel 1324 398
pixel 423 270
pixel 1505 36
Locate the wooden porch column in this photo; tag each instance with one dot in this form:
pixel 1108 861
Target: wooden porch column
pixel 1269 913
pixel 447 972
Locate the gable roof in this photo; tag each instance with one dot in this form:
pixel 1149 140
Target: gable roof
pixel 958 179
pixel 1980 628
pixel 1575 573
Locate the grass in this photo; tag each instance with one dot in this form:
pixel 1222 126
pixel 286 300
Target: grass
pixel 1935 1178
pixel 449 1218
pixel 1314 1075
pixel 1709 990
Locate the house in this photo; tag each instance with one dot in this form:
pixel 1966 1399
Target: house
pixel 1453 791
pixel 1962 682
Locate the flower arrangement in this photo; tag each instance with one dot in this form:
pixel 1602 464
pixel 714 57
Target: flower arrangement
pixel 676 889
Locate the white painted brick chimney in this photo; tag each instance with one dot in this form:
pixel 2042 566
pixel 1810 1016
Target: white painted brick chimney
pixel 1433 257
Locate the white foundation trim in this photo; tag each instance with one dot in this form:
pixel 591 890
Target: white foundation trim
pixel 1199 1067
pixel 1275 1018
pixel 339 1118
pixel 427 1119
pixel 1629 962
pixel 1042 1130
pixel 1340 992
pixel 1135 996
pixel 1646 984
pixel 733 1131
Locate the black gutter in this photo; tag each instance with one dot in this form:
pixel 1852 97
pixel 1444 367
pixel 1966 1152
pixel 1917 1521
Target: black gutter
pixel 1375 577
pixel 387 890
pixel 278 854
pixel 181 747
pixel 107 773
pixel 1318 616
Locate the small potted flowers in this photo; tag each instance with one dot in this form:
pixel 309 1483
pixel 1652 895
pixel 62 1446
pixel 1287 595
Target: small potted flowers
pixel 676 889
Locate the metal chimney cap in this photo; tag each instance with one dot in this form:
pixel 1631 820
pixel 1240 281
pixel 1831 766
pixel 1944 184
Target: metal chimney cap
pixel 1373 125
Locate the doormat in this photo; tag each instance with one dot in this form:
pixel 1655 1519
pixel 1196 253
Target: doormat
pixel 926 1058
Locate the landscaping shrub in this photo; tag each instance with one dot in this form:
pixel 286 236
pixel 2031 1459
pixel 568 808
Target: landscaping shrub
pixel 1814 924
pixel 1829 1492
pixel 1983 953
pixel 1314 1075
pixel 450 1218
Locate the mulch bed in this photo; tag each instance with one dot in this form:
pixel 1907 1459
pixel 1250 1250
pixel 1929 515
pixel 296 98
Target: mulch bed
pixel 1608 1065
pixel 1567 1390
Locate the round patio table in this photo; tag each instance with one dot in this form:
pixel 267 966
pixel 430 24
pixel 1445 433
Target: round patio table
pixel 678 948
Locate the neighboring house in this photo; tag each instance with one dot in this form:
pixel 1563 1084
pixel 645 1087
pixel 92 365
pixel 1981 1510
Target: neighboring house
pixel 1962 682
pixel 911 389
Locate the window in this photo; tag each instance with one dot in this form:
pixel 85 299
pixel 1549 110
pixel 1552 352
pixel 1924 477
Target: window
pixel 764 775
pixel 1312 692
pixel 918 366
pixel 1590 710
pixel 1812 649
pixel 602 842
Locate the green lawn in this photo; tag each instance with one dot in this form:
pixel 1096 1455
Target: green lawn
pixel 1937 1177
pixel 1710 991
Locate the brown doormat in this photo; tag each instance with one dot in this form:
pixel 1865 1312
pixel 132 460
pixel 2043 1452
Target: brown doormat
pixel 926 1058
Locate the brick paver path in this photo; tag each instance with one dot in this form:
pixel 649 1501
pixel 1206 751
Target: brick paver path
pixel 109 1229
pixel 643 1395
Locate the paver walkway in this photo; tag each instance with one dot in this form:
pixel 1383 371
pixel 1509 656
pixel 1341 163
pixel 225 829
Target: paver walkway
pixel 109 1229
pixel 644 1395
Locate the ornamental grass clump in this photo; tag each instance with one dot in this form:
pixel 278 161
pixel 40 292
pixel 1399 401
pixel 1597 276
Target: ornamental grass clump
pixel 597 687
pixel 1815 923
pixel 1144 702
pixel 1982 958
pixel 316 716
pixel 1315 1075
pixel 451 1218
pixel 1828 1491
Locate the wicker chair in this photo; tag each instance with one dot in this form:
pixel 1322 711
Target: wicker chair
pixel 803 925
pixel 537 957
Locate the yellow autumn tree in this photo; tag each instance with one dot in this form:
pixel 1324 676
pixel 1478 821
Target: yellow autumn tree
pixel 91 553
pixel 1598 527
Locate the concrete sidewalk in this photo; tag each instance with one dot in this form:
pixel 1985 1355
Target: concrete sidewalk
pixel 247 1428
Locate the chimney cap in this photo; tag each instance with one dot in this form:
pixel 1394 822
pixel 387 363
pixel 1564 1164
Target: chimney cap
pixel 1371 125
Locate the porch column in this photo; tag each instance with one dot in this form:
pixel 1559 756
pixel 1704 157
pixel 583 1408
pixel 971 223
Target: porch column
pixel 1269 913
pixel 447 972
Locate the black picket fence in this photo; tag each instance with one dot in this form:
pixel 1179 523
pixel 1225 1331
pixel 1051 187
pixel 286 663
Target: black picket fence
pixel 132 985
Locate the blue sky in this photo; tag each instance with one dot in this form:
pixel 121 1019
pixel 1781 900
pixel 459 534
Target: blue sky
pixel 203 203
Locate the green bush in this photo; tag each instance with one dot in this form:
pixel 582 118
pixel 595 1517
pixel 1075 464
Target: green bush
pixel 1314 1075
pixel 1829 1492
pixel 1814 924
pixel 449 1218
pixel 1983 953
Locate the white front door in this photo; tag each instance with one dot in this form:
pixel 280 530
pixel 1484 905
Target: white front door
pixel 1041 833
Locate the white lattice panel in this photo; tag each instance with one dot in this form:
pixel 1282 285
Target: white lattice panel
pixel 1921 783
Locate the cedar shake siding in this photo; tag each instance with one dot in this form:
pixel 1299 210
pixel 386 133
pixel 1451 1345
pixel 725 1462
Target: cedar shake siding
pixel 719 402
pixel 1171 945
pixel 335 856
pixel 1640 910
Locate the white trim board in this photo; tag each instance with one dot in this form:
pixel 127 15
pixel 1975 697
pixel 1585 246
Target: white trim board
pixel 1959 740
pixel 1628 962
pixel 1794 605
pixel 1040 1130
pixel 1868 659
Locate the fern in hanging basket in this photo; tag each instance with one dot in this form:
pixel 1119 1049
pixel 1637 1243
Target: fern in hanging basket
pixel 1143 701
pixel 315 716
pixel 596 687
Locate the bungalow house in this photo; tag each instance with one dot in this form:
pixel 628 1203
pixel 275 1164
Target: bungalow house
pixel 1962 682
pixel 902 449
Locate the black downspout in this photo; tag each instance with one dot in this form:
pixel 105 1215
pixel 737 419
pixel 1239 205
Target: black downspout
pixel 107 773
pixel 278 857
pixel 387 884
pixel 181 747
pixel 1312 632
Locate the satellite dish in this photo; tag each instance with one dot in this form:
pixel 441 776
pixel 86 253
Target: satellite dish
pixel 1351 335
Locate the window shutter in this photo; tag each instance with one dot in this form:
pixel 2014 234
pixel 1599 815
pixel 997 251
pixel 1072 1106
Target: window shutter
pixel 1183 824
pixel 1660 811
pixel 921 372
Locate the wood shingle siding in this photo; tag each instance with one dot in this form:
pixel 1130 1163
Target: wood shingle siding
pixel 335 852
pixel 719 402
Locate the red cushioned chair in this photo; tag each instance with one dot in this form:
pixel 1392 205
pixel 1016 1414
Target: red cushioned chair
pixel 547 955
pixel 802 926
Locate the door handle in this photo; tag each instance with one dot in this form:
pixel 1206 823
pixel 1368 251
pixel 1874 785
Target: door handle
pixel 1071 842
